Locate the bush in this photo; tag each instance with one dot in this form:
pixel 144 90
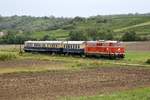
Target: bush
pixel 77 35
pixel 7 56
pixel 130 36
pixel 148 61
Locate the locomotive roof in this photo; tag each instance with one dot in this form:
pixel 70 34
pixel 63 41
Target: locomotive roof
pixel 111 41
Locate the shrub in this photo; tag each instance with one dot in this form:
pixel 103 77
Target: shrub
pixel 7 56
pixel 148 61
pixel 130 36
pixel 77 35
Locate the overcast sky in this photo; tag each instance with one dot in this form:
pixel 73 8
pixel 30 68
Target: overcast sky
pixel 71 8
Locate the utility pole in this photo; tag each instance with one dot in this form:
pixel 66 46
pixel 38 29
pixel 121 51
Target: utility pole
pixel 20 48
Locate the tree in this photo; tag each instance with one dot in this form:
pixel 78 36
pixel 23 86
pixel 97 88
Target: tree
pixel 46 37
pixel 77 36
pixel 130 36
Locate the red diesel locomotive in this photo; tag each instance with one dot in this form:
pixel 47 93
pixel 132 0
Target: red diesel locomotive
pixel 111 49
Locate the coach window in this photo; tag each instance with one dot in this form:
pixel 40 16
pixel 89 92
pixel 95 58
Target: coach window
pixel 31 44
pixel 45 45
pixel 35 45
pixel 74 46
pixel 42 45
pixel 70 46
pixel 78 46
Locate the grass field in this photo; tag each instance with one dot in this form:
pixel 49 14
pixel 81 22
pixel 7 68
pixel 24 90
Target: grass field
pixel 132 59
pixel 58 34
pixel 134 26
pixel 136 94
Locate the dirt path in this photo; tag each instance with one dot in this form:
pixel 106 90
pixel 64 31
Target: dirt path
pixel 54 84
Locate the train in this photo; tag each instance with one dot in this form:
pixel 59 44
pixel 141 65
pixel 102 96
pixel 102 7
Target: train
pixel 101 48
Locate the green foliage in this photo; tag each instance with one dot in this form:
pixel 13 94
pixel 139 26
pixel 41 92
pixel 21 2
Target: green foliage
pixel 130 36
pixel 7 56
pixel 110 27
pixel 91 34
pixel 48 38
pixel 45 38
pixel 148 61
pixel 15 38
pixel 77 36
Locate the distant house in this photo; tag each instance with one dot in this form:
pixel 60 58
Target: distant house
pixel 2 34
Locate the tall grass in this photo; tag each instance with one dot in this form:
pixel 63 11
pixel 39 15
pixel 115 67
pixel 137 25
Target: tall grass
pixel 7 56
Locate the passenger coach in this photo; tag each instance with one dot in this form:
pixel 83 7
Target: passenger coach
pixel 43 46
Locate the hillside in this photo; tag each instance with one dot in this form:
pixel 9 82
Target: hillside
pixel 52 28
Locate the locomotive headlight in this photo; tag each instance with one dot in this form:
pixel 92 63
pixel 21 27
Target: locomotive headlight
pixel 118 49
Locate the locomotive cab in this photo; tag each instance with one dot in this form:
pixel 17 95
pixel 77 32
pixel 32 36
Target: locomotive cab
pixel 111 49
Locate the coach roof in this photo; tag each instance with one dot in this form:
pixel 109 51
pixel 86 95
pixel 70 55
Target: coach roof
pixel 55 42
pixel 74 42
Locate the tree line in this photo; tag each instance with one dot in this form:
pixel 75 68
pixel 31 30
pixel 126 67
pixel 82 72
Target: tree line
pixel 18 29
